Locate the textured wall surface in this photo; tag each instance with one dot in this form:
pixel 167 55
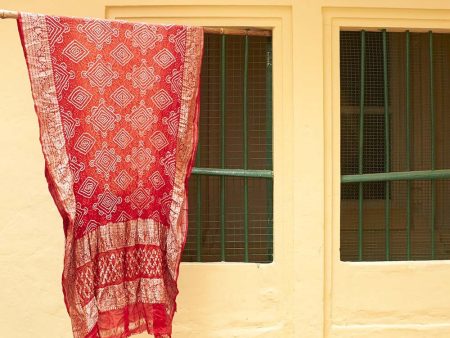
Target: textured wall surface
pixel 307 292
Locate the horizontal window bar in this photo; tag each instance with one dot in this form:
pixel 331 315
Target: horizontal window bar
pixel 398 176
pixel 233 172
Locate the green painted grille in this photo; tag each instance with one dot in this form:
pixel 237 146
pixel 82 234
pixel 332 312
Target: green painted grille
pixel 395 154
pixel 231 189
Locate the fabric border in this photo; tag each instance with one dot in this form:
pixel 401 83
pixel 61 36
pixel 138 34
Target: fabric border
pixel 35 42
pixel 34 38
pixel 187 144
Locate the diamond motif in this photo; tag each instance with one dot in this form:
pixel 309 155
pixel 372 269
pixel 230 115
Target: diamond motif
pixel 88 187
pixel 123 217
pixel 55 30
pixel 76 168
pixel 175 81
pixel 166 202
pixel 155 216
pixel 103 118
pixel 172 122
pixel 75 51
pixel 107 203
pixel 143 36
pixel 69 123
pixel 162 99
pixel 122 96
pixel 164 58
pixel 92 225
pixel 158 140
pixel 79 97
pixel 123 179
pixel 157 180
pixel 122 138
pixel 100 74
pixel 121 54
pixel 143 77
pixel 84 143
pixel 179 40
pixel 141 118
pixel 80 212
pixel 62 77
pixel 140 198
pixel 168 161
pixel 105 160
pixel 98 31
pixel 141 158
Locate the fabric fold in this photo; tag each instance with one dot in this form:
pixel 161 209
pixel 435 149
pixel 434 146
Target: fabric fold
pixel 117 105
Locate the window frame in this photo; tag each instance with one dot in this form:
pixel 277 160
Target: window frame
pixel 336 20
pixel 351 284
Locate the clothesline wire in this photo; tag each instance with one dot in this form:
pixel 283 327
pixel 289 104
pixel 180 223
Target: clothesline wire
pixel 6 14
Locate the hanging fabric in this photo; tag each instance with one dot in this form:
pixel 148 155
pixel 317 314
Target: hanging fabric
pixel 117 105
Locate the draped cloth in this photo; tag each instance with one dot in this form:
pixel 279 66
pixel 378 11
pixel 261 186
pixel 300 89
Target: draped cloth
pixel 117 105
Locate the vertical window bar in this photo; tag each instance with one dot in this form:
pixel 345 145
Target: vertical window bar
pixel 245 102
pixel 386 146
pixel 269 149
pixel 361 146
pixel 408 150
pixel 222 146
pixel 433 140
pixel 198 240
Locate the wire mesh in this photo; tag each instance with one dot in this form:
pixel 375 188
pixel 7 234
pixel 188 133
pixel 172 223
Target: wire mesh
pixel 205 240
pixel 418 83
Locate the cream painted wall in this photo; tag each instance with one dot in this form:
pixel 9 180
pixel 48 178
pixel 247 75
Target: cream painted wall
pixel 307 292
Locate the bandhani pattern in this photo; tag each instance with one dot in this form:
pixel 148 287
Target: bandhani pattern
pixel 117 105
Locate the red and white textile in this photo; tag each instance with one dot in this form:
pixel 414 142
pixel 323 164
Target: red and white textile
pixel 117 105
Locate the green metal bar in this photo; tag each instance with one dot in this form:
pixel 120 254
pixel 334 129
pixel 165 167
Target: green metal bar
pixel 361 145
pixel 387 216
pixel 269 185
pixel 222 147
pixel 433 145
pixel 441 174
pixel 408 149
pixel 245 98
pixel 198 239
pixel 233 172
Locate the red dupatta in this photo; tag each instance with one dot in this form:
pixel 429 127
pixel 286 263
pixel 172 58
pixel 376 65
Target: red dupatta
pixel 117 105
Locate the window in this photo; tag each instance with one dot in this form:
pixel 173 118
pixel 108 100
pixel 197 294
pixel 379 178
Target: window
pixel 230 191
pixel 395 153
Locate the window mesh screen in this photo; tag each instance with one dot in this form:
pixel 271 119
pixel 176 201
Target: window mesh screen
pixel 402 219
pixel 205 241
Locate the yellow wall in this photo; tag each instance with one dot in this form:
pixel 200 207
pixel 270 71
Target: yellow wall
pixel 307 292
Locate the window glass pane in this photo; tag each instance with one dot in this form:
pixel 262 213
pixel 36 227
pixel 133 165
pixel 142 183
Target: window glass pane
pixel 222 226
pixel 204 219
pixel 209 123
pixel 234 127
pixel 259 104
pixel 207 228
pixel 260 220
